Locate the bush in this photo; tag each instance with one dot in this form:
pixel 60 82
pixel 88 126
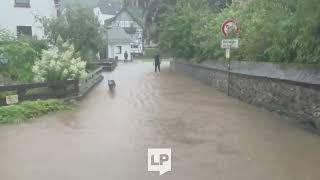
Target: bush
pixel 59 63
pixel 36 44
pixel 29 110
pixel 20 58
pixel 17 56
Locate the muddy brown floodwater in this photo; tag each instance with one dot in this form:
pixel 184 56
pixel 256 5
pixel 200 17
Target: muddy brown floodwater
pixel 212 136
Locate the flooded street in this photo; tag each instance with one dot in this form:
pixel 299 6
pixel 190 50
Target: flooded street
pixel 212 136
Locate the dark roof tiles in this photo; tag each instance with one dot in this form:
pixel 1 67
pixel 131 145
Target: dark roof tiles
pixel 117 35
pixel 109 7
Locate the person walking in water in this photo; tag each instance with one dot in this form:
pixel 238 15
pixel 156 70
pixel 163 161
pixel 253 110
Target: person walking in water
pixel 126 56
pixel 157 62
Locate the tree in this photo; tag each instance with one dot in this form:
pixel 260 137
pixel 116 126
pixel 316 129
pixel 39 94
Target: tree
pixel 79 26
pixel 155 10
pixel 153 16
pixel 275 30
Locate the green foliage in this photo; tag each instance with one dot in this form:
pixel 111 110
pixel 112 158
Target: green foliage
pixel 29 110
pixel 307 40
pixel 150 52
pixel 36 44
pixel 155 10
pixel 79 26
pixel 20 58
pixel 186 28
pixel 153 17
pixel 275 31
pixel 18 55
pixel 59 63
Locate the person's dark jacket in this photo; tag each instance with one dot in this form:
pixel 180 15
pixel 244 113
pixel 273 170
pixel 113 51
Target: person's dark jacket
pixel 157 59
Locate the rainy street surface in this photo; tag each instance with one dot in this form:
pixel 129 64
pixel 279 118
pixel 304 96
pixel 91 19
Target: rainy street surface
pixel 212 136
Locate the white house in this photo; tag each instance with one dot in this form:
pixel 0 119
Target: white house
pixel 119 42
pixel 106 9
pixel 18 16
pixel 132 27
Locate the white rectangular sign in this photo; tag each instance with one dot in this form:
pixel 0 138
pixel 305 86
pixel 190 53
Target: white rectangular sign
pixel 14 99
pixel 230 43
pixel 228 53
pixel 159 160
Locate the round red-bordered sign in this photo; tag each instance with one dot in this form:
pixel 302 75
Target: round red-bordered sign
pixel 229 26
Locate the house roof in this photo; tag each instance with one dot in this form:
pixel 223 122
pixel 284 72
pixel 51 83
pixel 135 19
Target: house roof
pixel 117 35
pixel 109 7
pixel 124 9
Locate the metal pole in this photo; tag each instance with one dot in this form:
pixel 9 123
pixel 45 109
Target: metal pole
pixel 229 69
pixel 229 77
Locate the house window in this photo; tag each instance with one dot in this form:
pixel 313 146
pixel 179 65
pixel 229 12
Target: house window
pixel 22 3
pixel 134 46
pixel 57 2
pixel 118 50
pixel 59 13
pixel 24 30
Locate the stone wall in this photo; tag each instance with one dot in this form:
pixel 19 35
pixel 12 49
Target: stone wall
pixel 297 99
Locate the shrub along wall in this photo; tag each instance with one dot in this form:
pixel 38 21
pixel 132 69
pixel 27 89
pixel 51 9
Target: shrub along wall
pixel 300 100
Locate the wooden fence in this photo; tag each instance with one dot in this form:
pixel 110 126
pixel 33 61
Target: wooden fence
pixel 50 90
pixel 109 65
pixel 92 79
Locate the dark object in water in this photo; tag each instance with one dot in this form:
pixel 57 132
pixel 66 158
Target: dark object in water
pixel 111 84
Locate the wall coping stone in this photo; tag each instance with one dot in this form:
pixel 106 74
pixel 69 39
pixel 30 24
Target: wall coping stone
pixel 211 66
pixel 265 69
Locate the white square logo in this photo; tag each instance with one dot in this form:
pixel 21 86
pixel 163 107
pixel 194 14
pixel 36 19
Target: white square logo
pixel 159 160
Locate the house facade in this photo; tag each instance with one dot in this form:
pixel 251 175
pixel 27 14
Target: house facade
pixel 106 9
pixel 124 19
pixel 119 42
pixel 138 3
pixel 19 16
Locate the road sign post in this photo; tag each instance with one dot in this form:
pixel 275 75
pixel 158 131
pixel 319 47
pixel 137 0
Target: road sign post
pixel 227 27
pixel 228 53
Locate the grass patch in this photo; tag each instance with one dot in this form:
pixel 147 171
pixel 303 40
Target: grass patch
pixel 29 110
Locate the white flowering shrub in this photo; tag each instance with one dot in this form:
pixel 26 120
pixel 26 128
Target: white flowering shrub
pixel 6 35
pixel 59 63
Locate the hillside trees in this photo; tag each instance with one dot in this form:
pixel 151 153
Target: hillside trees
pixel 276 30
